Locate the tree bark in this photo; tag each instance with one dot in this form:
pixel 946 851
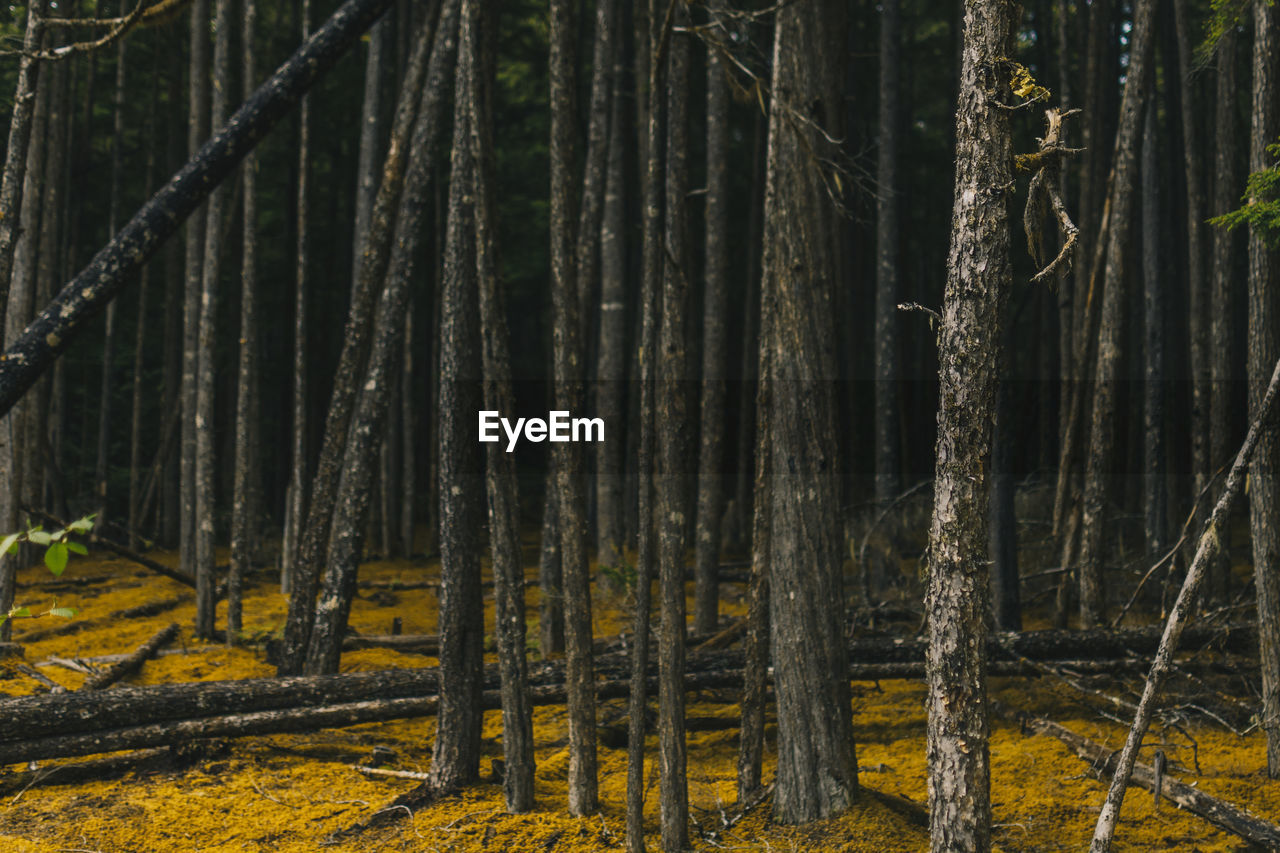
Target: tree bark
pixel 715 307
pixel 476 81
pixel 978 280
pixel 1264 485
pixel 1155 490
pixel 568 457
pixel 817 766
pixel 1093 538
pixel 888 482
pixel 456 757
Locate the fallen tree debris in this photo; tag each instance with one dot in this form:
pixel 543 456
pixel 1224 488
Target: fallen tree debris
pixel 134 661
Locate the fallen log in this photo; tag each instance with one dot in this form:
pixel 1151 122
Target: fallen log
pixel 84 771
pixel 134 661
pixel 1102 765
pixel 872 658
pixel 297 719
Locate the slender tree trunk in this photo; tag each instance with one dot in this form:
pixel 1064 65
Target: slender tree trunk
pixel 550 573
pixel 1097 484
pixel 1222 360
pixel 197 130
pixel 409 437
pixel 1201 394
pixel 314 537
pixel 456 758
pixel 673 426
pixel 611 365
pixel 887 402
pixel 370 143
pixel 476 82
pixel 568 457
pixel 1264 485
pixel 1003 524
pixel 817 766
pixel 1155 490
pixel 242 520
pixel 355 486
pixel 715 307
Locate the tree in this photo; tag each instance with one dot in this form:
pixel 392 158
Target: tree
pixel 817 768
pixel 888 465
pixel 978 280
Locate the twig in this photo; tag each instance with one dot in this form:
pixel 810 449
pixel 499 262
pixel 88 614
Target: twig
pixel 395 774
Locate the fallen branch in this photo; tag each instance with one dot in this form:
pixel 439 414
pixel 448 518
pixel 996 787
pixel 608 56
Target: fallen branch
pixel 394 774
pixel 134 661
pixel 1103 763
pixel 1174 628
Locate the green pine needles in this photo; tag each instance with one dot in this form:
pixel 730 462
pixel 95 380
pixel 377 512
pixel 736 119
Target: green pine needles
pixel 1261 209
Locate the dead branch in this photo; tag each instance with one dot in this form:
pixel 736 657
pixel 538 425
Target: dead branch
pixel 133 662
pixel 1043 194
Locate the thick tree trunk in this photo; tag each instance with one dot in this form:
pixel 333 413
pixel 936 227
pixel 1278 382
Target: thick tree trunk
pixel 568 457
pixel 978 279
pixel 351 363
pixel 817 767
pixel 1097 482
pixel 1264 327
pixel 715 307
pixel 456 757
pixel 476 80
pixel 355 486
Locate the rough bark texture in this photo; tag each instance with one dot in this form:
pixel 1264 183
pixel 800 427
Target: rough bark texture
pixel 888 462
pixel 1206 551
pixel 1102 430
pixel 377 251
pixel 355 485
pixel 456 757
pixel 978 279
pixel 817 768
pixel 568 458
pixel 671 413
pixel 715 306
pixel 86 295
pixel 475 82
pixel 1264 326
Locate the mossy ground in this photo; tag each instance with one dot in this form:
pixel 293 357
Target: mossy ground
pixel 293 792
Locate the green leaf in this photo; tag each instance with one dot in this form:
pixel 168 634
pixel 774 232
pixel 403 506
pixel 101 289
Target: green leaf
pixel 83 525
pixel 10 544
pixel 77 548
pixel 20 613
pixel 64 612
pixel 39 537
pixel 56 558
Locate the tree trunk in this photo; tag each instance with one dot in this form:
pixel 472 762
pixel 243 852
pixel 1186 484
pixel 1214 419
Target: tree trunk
pixel 550 573
pixel 970 341
pixel 568 457
pixel 817 767
pixel 476 81
pixel 1155 490
pixel 1264 348
pixel 887 402
pixel 242 518
pixel 370 143
pixel 715 307
pixel 1222 351
pixel 1002 538
pixel 355 486
pixel 351 364
pixel 1093 536
pixel 456 758
pixel 673 425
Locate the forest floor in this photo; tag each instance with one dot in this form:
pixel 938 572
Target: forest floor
pixel 294 792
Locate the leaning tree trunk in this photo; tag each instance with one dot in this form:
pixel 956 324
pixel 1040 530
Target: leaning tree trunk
pixel 1264 491
pixel 206 599
pixel 476 82
pixel 817 767
pixel 355 485
pixel 351 364
pixel 1101 445
pixel 568 457
pixel 978 280
pixel 715 307
pixel 242 520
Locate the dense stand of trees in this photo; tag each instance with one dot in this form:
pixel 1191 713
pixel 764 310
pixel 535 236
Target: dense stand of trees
pixel 701 223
